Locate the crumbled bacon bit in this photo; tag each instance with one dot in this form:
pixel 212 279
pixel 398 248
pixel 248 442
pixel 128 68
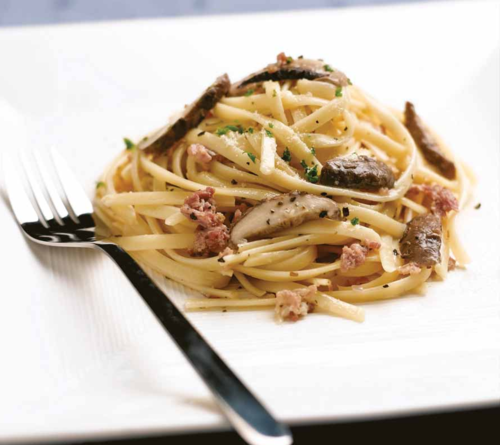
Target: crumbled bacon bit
pixel 409 269
pixel 212 239
pixel 200 206
pixel 352 257
pixel 202 155
pixel 372 245
pixel 290 304
pixel 237 215
pixel 452 263
pixel 281 58
pixel 211 235
pixel 438 199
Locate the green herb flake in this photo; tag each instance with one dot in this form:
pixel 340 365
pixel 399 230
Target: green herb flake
pixel 100 184
pixel 328 68
pixel 250 155
pixel 224 130
pixel 274 93
pixel 349 81
pixel 250 130
pixel 338 92
pixel 355 221
pixel 128 143
pixel 289 60
pixel 271 125
pixel 287 156
pixel 268 133
pixel 310 173
pixel 313 151
pixel 249 92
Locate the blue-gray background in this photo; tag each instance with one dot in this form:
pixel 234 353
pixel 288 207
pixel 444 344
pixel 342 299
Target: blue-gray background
pixel 29 12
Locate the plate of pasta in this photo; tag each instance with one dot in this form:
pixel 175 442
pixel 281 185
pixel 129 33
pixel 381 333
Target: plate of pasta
pixel 290 189
pixel 321 199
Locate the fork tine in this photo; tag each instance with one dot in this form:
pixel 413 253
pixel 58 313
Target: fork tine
pixel 76 196
pixel 21 204
pixel 37 189
pixel 59 206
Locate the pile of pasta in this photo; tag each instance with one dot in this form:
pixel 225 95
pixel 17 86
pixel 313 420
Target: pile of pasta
pixel 266 143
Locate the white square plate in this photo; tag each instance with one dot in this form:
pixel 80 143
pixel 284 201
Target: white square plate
pixel 81 354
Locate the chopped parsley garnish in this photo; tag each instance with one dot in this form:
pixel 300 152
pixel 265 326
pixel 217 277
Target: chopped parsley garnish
pixel 328 68
pixel 323 214
pixel 355 221
pixel 313 151
pixel 250 155
pixel 287 156
pixel 249 92
pixel 271 125
pixel 100 184
pixel 274 93
pixel 235 128
pixel 311 173
pixel 268 133
pixel 128 143
pixel 338 92
pixel 289 60
pixel 250 130
pixel 349 81
pixel 224 130
pixel 477 206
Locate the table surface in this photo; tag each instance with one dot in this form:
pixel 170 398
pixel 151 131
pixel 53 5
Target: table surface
pixel 31 12
pixel 476 424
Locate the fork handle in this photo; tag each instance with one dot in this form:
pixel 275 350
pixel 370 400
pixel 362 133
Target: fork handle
pixel 246 414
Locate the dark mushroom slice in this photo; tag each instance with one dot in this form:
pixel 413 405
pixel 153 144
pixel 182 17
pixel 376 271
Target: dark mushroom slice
pixel 168 135
pixel 282 212
pixel 297 69
pixel 421 242
pixel 357 172
pixel 427 144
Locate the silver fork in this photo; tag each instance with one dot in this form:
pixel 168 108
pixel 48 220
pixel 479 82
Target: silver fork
pixel 68 223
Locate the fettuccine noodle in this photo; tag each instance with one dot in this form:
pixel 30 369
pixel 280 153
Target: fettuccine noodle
pixel 262 144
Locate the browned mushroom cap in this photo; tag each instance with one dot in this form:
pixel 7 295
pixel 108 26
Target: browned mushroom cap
pixel 282 212
pixel 357 172
pixel 421 242
pixel 427 144
pixel 296 69
pixel 166 136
